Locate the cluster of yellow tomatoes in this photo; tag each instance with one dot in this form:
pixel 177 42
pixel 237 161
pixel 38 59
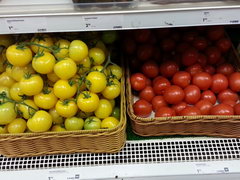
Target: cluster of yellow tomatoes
pixel 52 84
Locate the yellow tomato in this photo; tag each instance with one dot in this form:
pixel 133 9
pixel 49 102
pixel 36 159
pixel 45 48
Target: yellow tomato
pixel 66 108
pixel 28 108
pixel 80 82
pixel 46 99
pixel 109 123
pixel 97 55
pixel 114 71
pixel 19 55
pixel 31 84
pixel 84 115
pixel 3 129
pixel 17 126
pixel 58 128
pixel 7 113
pixel 64 89
pixel 102 46
pixel 41 40
pixel 78 50
pixel 6 80
pixel 112 90
pixel 15 92
pixel 99 69
pixel 112 101
pixel 5 90
pixel 57 119
pixel 40 122
pixel 6 40
pixel 62 48
pixel 43 62
pixel 87 101
pixel 84 66
pixel 74 123
pixel 18 72
pixel 65 69
pixel 104 109
pixel 96 81
pixel 52 77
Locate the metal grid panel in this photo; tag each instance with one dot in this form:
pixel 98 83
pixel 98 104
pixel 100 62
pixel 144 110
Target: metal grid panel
pixel 134 152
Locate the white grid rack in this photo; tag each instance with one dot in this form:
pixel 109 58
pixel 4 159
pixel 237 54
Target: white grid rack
pixel 136 152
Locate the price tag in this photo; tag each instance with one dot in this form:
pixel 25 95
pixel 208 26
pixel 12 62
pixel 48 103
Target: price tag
pixel 206 17
pixel 102 22
pixel 26 24
pixel 62 175
pixel 206 168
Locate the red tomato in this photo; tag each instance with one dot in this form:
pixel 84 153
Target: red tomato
pixel 204 106
pixel 138 81
pixel 224 44
pixel 190 111
pixel 147 93
pixel 168 68
pixel 145 52
pixel 200 43
pixel 189 57
pixel 209 69
pixel 129 46
pixel 179 107
pixel 134 62
pixel 160 84
pixel 190 36
pixel 142 108
pixel 194 69
pixel 150 69
pixel 175 36
pixel 167 44
pixel 157 102
pixel 229 102
pixel 173 94
pixel 221 61
pixel 148 82
pixel 157 54
pixel 162 33
pixel 234 81
pixel 213 54
pixel 210 96
pixel 215 32
pixel 192 94
pixel 203 80
pixel 202 59
pixel 225 69
pixel 237 109
pixel 222 109
pixel 182 79
pixel 182 47
pixel 219 83
pixel 227 94
pixel 142 35
pixel 165 112
pixel 152 39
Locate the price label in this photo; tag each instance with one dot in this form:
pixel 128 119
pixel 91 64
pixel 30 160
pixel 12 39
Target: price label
pixel 103 22
pixel 27 24
pixel 62 175
pixel 206 168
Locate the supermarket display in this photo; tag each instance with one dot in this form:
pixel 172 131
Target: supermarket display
pixel 184 84
pixel 60 96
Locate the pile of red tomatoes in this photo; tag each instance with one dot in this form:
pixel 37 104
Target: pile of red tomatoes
pixel 182 72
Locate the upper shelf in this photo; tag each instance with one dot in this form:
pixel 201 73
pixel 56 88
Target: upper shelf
pixel 63 15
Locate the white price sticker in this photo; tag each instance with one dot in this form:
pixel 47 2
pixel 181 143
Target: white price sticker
pixel 103 22
pixel 26 24
pixel 62 175
pixel 206 168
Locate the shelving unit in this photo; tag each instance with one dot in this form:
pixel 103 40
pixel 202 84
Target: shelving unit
pixel 171 158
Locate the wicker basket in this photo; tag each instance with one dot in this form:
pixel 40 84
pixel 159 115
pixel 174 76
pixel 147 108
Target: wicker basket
pixel 94 141
pixel 209 125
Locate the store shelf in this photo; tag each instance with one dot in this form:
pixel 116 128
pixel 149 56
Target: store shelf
pixel 188 158
pixel 64 16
